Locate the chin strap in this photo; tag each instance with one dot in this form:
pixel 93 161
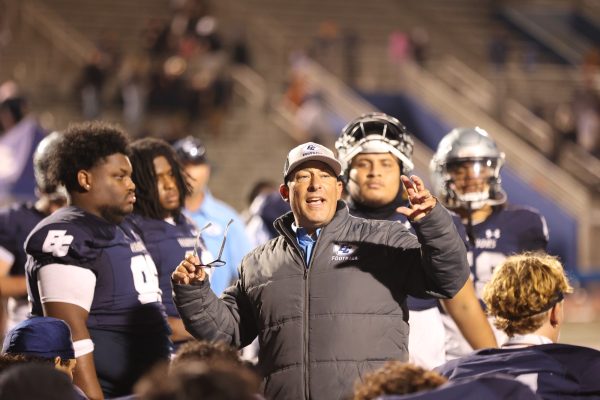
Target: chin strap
pixel 469 228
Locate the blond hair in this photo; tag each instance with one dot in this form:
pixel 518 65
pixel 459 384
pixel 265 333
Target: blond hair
pixel 522 288
pixel 397 377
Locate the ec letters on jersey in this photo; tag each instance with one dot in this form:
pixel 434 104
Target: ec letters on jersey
pixel 57 242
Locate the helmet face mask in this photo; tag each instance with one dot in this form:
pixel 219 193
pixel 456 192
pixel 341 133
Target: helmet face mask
pixel 466 170
pixel 375 133
pixel 470 180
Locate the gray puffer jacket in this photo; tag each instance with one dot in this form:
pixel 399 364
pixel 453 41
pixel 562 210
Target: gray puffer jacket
pixel 324 326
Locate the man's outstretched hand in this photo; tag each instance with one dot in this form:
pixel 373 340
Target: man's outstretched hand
pixel 421 200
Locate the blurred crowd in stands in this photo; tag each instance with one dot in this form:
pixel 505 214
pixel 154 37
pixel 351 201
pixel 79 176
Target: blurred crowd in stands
pixel 336 49
pixel 180 68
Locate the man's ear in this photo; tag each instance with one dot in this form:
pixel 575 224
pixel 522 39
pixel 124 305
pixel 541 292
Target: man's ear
pixel 340 189
pixel 556 316
pixel 84 179
pixel 57 361
pixel 284 191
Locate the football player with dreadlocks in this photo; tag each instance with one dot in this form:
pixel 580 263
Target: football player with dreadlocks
pixel 466 178
pixel 375 150
pixel 160 190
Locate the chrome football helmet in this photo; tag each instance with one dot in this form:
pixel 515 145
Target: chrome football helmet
pixel 465 170
pixel 375 133
pixel 42 157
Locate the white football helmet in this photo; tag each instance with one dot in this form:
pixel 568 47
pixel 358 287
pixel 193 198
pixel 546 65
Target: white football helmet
pixel 375 133
pixel 465 170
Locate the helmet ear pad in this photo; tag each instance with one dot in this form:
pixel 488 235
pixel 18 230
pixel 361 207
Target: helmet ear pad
pixel 494 184
pixel 497 194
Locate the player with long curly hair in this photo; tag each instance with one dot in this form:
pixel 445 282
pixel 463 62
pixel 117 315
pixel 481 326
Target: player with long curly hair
pixel 397 377
pixel 526 297
pixel 523 290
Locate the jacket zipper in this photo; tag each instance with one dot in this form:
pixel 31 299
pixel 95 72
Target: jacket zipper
pixel 306 316
pixel 306 304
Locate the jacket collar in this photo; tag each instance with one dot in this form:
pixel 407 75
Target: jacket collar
pixel 283 224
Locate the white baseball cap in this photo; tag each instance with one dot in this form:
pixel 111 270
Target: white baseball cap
pixel 310 152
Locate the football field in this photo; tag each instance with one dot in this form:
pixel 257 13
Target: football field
pixel 582 316
pixel 581 333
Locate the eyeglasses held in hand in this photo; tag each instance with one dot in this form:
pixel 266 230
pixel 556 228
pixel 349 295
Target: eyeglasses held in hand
pixel 218 262
pixel 197 241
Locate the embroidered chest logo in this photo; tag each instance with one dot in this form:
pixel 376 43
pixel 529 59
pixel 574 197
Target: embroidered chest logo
pixel 186 242
pixel 490 240
pixel 137 247
pixel 344 252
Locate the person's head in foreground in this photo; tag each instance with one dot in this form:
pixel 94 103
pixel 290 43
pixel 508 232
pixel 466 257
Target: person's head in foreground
pixel 208 352
pixel 397 377
pixel 43 339
pixel 192 380
pixel 525 295
pixel 311 185
pixel 33 381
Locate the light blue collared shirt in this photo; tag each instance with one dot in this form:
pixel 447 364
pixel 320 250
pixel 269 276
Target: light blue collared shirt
pixel 305 241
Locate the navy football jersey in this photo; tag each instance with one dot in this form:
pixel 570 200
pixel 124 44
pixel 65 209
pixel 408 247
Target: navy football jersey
pixel 507 231
pixel 168 244
pixel 553 371
pixel 127 297
pixel 489 387
pixel 16 223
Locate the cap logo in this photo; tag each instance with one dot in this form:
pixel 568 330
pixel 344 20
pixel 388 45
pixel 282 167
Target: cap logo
pixel 310 150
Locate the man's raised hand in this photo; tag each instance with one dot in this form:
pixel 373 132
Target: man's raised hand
pixel 421 200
